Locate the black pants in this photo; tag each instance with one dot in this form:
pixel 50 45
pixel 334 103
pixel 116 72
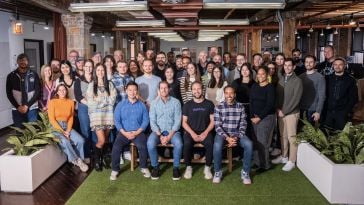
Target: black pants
pixel 336 119
pixel 188 143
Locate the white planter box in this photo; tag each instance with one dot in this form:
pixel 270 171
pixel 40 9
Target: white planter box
pixel 338 183
pixel 26 173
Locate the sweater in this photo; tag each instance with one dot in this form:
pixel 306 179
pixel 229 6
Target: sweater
pixel 289 93
pixel 313 96
pixel 262 100
pixel 61 110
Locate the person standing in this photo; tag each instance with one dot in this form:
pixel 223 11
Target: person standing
pixel 48 87
pixel 120 79
pixel 165 122
pixel 289 93
pixel 215 87
pixel 325 67
pixel 230 126
pixel 23 90
pixel 198 123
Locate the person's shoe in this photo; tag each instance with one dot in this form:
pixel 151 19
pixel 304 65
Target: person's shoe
pixel 217 177
pixel 155 173
pixel 207 172
pixel 176 174
pixel 107 161
pixel 245 177
pixel 121 159
pixel 83 167
pixel 188 173
pixel 127 155
pixel 280 160
pixel 288 166
pixel 98 166
pixel 146 172
pixel 275 152
pixel 114 175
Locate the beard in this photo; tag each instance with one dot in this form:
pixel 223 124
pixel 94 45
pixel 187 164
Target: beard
pixel 197 97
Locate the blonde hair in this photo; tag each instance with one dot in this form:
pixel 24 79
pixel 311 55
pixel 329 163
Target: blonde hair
pixel 42 76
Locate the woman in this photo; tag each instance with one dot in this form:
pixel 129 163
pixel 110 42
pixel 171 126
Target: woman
pixel 120 79
pixel 215 87
pixel 60 113
pixel 134 69
pixel 81 85
pixel 67 78
pixel 262 101
pixel 48 87
pixel 273 74
pixel 101 96
pixel 140 59
pixel 192 75
pixel 279 60
pixel 174 89
pixel 110 64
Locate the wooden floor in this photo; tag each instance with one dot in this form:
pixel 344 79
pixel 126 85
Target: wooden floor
pixel 56 190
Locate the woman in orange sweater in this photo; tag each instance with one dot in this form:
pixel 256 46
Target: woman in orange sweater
pixel 60 113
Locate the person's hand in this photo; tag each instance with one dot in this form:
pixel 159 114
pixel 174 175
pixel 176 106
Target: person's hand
pixel 280 113
pixel 255 120
pixel 67 135
pixel 25 107
pixel 316 116
pixel 231 141
pixel 202 136
pixel 21 109
pixel 129 135
pixel 195 137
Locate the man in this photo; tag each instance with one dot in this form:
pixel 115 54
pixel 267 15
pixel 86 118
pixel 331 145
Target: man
pixel 180 71
pixel 23 90
pixel 202 62
pixel 186 53
pixel 165 121
pixel 170 59
pixel 148 83
pixel 56 68
pixel 118 55
pixel 149 54
pixel 198 123
pixel 230 127
pixel 325 67
pixel 160 61
pixel 185 62
pixel 296 56
pixel 131 120
pixel 231 70
pixel 341 96
pixel 313 96
pixel 257 61
pixel 289 93
pixel 97 58
pixel 212 52
pixel 72 58
pixel 217 59
pixel 267 57
pixel 79 67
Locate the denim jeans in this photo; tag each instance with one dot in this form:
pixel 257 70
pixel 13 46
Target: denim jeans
pixel 121 141
pixel 243 142
pixel 154 140
pixel 19 118
pixel 85 128
pixel 76 140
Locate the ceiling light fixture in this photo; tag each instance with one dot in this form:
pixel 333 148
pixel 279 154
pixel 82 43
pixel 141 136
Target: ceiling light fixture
pixel 244 4
pixel 336 31
pixel 93 34
pixel 352 22
pixel 152 23
pixel 322 32
pixel 228 22
pixel 109 6
pixel 46 26
pixel 328 26
pixel 357 27
pixel 311 29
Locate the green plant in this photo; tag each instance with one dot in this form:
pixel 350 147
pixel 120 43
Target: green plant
pixel 33 137
pixel 344 147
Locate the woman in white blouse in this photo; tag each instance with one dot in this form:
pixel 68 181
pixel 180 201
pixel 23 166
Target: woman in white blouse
pixel 216 85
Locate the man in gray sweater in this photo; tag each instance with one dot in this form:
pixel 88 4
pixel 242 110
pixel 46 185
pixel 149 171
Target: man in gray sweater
pixel 289 93
pixel 314 87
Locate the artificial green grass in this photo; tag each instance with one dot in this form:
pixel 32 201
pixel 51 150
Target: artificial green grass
pixel 271 187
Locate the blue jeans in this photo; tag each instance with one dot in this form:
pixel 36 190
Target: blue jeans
pixel 154 140
pixel 19 118
pixel 244 142
pixel 85 128
pixel 68 145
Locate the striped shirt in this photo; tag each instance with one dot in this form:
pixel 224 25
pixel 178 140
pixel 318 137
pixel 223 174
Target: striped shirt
pixel 186 90
pixel 165 116
pixel 230 119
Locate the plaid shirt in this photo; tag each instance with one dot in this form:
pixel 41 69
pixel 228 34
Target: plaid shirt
pixel 120 83
pixel 230 119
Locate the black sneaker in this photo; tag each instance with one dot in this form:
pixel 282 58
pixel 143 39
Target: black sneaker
pixel 176 174
pixel 155 173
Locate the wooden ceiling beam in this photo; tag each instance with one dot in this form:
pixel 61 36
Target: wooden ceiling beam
pixel 330 10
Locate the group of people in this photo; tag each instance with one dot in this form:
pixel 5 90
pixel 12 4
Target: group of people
pixel 166 99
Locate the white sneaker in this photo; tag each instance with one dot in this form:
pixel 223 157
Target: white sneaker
pixel 245 177
pixel 114 175
pixel 207 172
pixel 122 159
pixel 188 173
pixel 127 155
pixel 146 172
pixel 280 160
pixel 83 167
pixel 217 177
pixel 288 166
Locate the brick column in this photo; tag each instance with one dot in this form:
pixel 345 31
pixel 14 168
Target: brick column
pixel 78 33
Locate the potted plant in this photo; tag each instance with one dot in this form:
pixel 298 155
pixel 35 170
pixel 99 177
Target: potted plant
pixel 32 159
pixel 334 162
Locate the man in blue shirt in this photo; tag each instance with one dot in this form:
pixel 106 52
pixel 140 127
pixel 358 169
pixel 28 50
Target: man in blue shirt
pixel 131 120
pixel 165 121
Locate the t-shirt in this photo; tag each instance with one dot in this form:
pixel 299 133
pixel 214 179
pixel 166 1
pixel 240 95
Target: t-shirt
pixel 198 114
pixel 148 87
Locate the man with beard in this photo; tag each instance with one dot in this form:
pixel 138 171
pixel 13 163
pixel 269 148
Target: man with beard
pixel 296 56
pixel 56 68
pixel 326 68
pixel 72 58
pixel 180 71
pixel 314 86
pixel 212 52
pixel 198 122
pixel 202 62
pixel 232 73
pixel 160 61
pixel 230 127
pixel 170 59
pixel 217 59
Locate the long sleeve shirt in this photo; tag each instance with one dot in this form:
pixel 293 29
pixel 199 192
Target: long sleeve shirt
pixel 165 116
pixel 262 100
pixel 289 93
pixel 61 110
pixel 314 92
pixel 230 120
pixel 131 116
pixel 120 83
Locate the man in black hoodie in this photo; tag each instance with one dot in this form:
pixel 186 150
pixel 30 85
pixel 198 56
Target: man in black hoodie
pixel 22 90
pixel 341 96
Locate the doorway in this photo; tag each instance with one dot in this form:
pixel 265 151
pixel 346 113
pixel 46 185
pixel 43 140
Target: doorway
pixel 35 51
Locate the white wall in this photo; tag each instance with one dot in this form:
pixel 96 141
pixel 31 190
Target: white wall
pixel 191 44
pixel 103 45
